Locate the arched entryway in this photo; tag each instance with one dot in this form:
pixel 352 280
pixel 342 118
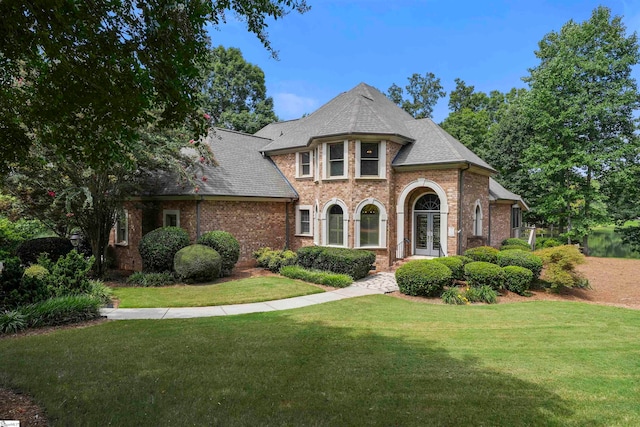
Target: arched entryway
pixel 428 214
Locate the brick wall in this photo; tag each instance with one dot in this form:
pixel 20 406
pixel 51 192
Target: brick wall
pixel 475 188
pixel 500 223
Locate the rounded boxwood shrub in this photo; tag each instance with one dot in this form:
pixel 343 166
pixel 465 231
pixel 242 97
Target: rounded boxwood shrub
pixel 226 245
pixel 197 263
pixel 54 247
pixel 423 277
pixel 521 259
pixel 512 247
pixel 158 248
pixel 456 265
pixel 480 273
pixel 513 241
pixel 482 253
pixel 517 279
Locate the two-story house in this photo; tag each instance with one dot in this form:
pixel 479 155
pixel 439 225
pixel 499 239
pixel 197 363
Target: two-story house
pixel 359 173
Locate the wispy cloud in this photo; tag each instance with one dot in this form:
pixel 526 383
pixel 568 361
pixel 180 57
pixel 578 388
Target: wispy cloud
pixel 291 106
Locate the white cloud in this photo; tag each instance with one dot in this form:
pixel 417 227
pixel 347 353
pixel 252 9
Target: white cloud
pixel 291 106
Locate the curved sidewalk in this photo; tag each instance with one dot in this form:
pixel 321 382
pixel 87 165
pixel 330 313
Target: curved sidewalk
pixel 225 310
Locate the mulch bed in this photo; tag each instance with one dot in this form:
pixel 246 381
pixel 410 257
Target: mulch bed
pixel 613 282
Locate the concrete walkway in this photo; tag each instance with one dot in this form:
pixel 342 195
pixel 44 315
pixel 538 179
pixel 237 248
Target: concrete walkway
pixel 355 290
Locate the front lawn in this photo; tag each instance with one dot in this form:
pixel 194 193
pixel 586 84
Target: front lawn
pixel 372 360
pixel 254 289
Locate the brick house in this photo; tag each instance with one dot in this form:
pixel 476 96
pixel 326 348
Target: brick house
pixel 359 173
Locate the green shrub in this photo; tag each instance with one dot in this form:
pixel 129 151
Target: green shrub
pixel 197 263
pixel 151 279
pixel 100 291
pixel 423 277
pixel 12 321
pixel 517 279
pixel 158 248
pixel 326 278
pixel 10 282
pixel 34 286
pixel 482 253
pixel 480 273
pixel 548 242
pixel 521 259
pixel 456 265
pixel 279 259
pixel 514 247
pixel 484 294
pixel 455 296
pixel 353 262
pixel 62 310
pixel 226 245
pixel 467 295
pixel 512 241
pixel 68 275
pixel 54 247
pixel 560 266
pixel 262 256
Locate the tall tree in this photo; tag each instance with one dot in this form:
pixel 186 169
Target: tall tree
pixel 81 77
pixel 423 94
pixel 234 94
pixel 581 104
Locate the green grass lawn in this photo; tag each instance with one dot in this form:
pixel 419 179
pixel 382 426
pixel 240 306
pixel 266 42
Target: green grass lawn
pixel 254 289
pixel 373 360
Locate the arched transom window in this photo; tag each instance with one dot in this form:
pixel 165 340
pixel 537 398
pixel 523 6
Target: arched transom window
pixel 428 202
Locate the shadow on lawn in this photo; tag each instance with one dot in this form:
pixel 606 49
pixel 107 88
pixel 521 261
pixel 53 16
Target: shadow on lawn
pixel 264 369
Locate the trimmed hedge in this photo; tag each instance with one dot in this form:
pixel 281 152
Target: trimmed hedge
pixel 54 247
pixel 197 263
pixel 521 259
pixel 512 247
pixel 456 265
pixel 158 248
pixel 513 241
pixel 326 278
pixel 517 279
pixel 480 273
pixel 423 277
pixel 226 245
pixel 353 262
pixel 482 253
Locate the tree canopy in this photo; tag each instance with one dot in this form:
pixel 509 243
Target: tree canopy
pixel 234 92
pixel 423 93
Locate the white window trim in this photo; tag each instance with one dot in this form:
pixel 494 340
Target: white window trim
pixel 477 222
pixel 345 222
pixel 316 223
pixel 299 173
pixel 299 217
pixel 125 241
pixel 382 233
pixel 166 212
pixel 327 164
pixel 316 165
pixel 382 160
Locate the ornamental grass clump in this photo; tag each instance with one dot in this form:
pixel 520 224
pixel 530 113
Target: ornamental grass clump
pixel 482 253
pixel 423 277
pixel 560 264
pixel 457 295
pixel 521 258
pixel 480 273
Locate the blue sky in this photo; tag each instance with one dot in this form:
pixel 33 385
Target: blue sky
pixel 340 43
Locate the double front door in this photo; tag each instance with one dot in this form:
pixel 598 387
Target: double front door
pixel 427 233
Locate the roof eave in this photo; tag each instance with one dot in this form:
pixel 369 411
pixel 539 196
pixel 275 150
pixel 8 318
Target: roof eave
pixel 395 137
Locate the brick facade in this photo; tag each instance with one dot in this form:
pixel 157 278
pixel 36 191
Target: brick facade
pixel 500 223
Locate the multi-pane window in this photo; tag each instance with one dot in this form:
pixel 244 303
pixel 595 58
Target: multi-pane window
pixel 370 226
pixel 336 159
pixel 305 221
pixel 516 217
pixel 335 230
pixel 304 164
pixel 369 158
pixel 122 228
pixel 171 218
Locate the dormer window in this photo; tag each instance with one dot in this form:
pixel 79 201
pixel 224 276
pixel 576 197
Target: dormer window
pixel 304 161
pixel 370 159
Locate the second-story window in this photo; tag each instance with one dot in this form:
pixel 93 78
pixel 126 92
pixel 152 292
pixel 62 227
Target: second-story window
pixel 336 159
pixel 370 159
pixel 304 164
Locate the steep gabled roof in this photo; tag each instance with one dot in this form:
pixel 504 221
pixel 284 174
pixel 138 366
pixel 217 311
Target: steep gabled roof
pixel 241 171
pixel 362 110
pixel 498 192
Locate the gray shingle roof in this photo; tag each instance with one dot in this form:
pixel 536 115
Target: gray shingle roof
pixel 498 192
pixel 241 171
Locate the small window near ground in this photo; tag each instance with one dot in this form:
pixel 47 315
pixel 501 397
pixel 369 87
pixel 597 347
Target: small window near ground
pixel 122 229
pixel 171 218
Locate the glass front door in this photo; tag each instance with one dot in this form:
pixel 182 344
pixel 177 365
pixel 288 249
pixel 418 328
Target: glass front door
pixel 427 233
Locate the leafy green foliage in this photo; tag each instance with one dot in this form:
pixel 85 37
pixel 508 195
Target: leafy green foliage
pixel 54 247
pixel 10 282
pixel 140 278
pixel 62 310
pixel 100 291
pixel 274 260
pixel 522 259
pixel 326 278
pixel 480 273
pixel 560 267
pixel 514 247
pixel 423 277
pixel 197 263
pixel 68 275
pixel 13 233
pixel 482 253
pixel 512 241
pixel 353 262
pixel 517 279
pixel 455 296
pixel 12 321
pixel 226 245
pixel 456 265
pixel 158 248
pixel 466 295
pixel 423 94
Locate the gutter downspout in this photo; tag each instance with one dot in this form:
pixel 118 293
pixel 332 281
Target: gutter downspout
pixel 286 225
pixel 460 193
pixel 198 202
pixel 491 206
